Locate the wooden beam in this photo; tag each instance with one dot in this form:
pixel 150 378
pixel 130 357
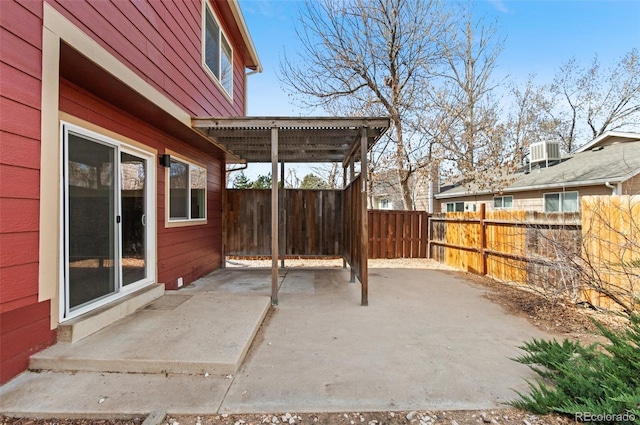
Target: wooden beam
pixel 364 237
pixel 372 134
pixel 289 122
pixel 292 157
pixel 274 216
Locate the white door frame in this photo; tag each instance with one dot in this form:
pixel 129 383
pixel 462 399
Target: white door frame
pixel 150 235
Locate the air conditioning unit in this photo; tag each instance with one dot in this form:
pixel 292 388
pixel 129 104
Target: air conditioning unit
pixel 545 152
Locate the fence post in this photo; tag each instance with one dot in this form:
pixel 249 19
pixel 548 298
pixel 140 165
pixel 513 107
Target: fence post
pixel 483 239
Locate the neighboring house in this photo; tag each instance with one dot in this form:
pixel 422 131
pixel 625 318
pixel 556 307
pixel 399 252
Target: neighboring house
pixel 386 193
pixel 105 187
pixel 381 202
pixel 610 164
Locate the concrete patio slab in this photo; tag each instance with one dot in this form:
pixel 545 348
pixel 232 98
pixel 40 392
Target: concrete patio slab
pixel 181 332
pixel 427 340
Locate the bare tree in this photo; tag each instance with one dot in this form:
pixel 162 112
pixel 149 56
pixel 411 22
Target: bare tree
pixel 526 121
pixel 330 173
pixel 612 96
pixel 369 56
pixel 585 102
pixel 464 106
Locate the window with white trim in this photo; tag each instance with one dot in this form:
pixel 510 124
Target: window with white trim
pixel 455 206
pixel 503 202
pixel 561 202
pixel 217 52
pixel 187 191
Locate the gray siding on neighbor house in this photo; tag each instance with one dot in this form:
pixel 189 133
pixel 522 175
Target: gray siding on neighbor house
pixel 532 200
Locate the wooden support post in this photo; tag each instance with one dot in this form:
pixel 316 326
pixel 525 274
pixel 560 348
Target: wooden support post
pixel 344 221
pixel 352 169
pixel 364 236
pixel 352 173
pixel 274 216
pixel 483 239
pixel 225 217
pixel 283 218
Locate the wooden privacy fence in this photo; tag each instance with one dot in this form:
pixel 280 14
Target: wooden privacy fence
pixel 611 250
pixel 597 249
pixel 507 245
pixel 398 234
pixel 311 225
pixel 315 223
pixel 354 250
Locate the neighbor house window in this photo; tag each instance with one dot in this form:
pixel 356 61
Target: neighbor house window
pixel 218 56
pixel 187 191
pixel 503 202
pixel 455 206
pixel 384 204
pixel 561 202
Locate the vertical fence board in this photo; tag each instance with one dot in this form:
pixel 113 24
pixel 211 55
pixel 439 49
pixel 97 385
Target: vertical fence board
pixel 398 234
pixel 534 248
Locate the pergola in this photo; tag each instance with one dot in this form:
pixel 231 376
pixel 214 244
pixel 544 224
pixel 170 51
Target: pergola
pixel 301 140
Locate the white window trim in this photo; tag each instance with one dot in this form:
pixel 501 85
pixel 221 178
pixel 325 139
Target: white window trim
pixel 124 145
pixel 168 222
pixel 207 7
pixel 503 207
pixel 454 206
pixel 560 200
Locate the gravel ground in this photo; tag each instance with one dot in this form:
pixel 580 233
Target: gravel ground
pixel 494 417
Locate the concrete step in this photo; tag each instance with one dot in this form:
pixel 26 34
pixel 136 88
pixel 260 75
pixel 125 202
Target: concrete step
pixel 180 333
pixel 92 395
pixel 80 327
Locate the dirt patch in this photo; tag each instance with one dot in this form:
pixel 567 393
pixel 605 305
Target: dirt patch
pixel 560 316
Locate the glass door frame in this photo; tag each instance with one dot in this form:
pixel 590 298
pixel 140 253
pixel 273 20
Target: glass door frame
pixel 132 148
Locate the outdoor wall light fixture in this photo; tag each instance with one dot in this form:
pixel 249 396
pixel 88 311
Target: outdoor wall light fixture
pixel 165 160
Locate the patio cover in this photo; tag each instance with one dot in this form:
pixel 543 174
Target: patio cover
pixel 296 139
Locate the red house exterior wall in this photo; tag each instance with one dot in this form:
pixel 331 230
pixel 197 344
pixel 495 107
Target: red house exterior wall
pixel 24 322
pixel 188 252
pixel 161 43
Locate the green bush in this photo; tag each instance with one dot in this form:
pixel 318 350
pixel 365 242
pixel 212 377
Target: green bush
pixel 598 384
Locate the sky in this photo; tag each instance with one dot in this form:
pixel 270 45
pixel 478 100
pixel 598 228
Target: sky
pixel 540 36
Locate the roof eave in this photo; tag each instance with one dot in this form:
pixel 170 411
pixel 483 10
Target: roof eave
pixel 561 185
pixel 256 65
pixel 604 136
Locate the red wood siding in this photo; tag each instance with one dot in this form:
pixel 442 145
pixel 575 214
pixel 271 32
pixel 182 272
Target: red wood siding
pixel 24 331
pixel 188 252
pixel 20 75
pixel 161 42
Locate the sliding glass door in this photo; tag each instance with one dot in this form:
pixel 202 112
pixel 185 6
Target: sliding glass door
pixel 107 237
pixel 91 220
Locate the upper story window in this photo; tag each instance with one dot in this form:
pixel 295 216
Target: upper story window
pixel 561 202
pixel 187 200
pixel 503 202
pixel 218 56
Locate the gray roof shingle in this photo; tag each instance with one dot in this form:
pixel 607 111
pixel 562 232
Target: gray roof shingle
pixel 614 163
